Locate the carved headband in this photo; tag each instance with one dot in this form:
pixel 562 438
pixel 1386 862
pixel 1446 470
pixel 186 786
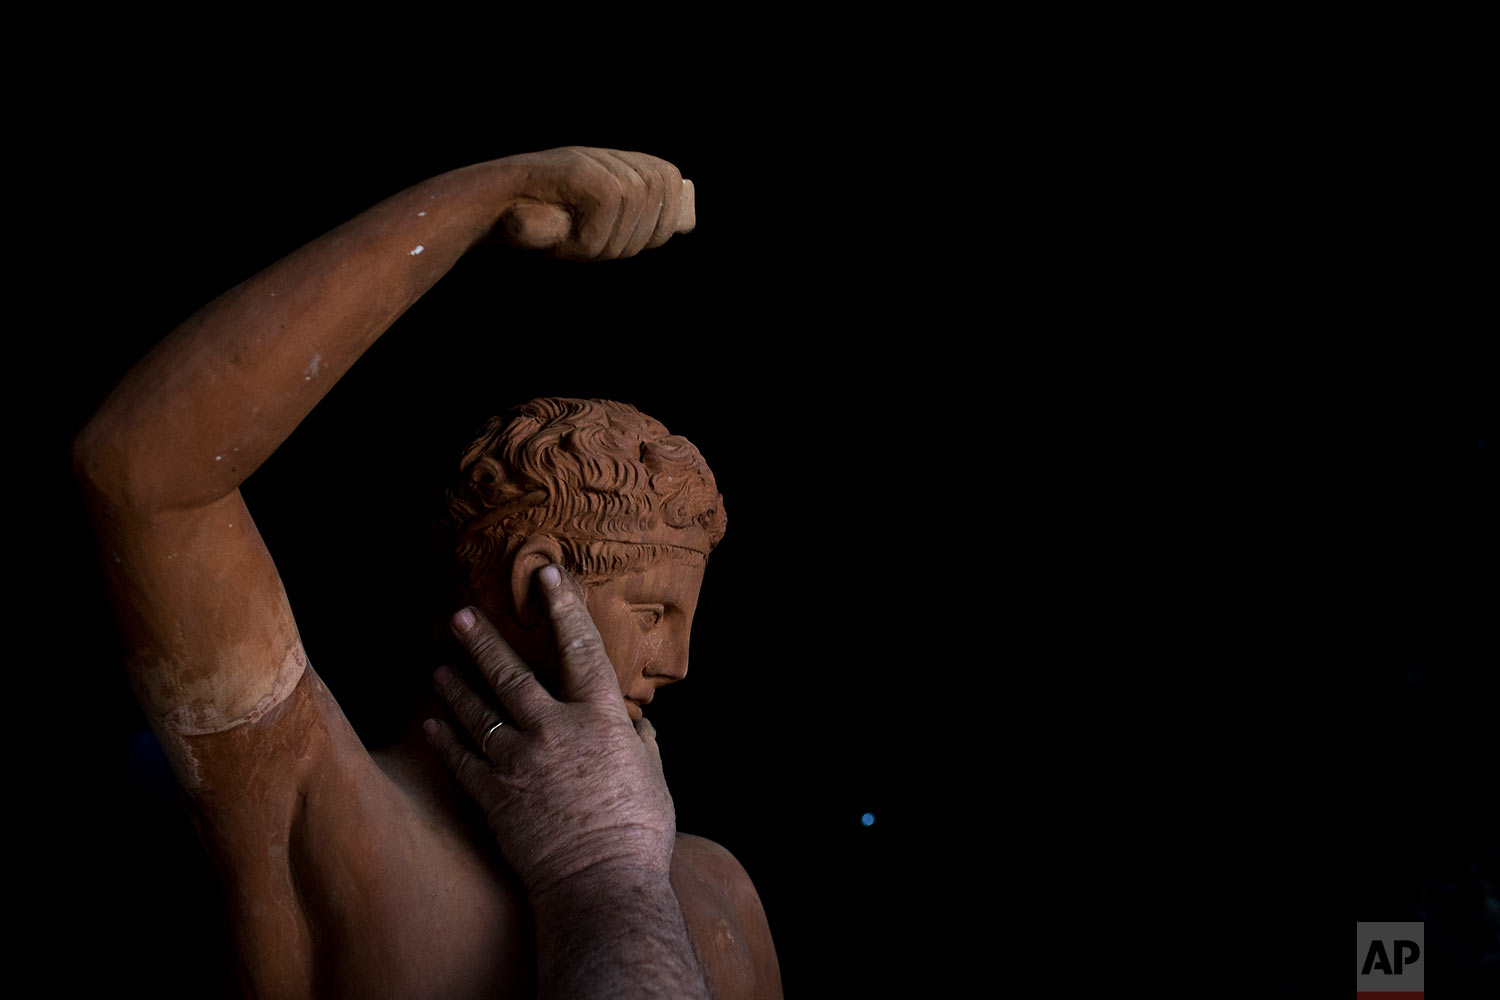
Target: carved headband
pixel 533 499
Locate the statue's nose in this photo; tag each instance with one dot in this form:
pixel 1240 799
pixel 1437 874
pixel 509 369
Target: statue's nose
pixel 672 666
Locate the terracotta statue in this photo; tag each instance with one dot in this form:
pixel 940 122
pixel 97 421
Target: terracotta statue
pixel 347 872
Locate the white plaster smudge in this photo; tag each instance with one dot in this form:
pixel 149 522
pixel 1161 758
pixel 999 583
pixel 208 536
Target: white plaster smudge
pixel 418 250
pixel 215 715
pixel 218 458
pixel 419 214
pixel 180 756
pixel 312 368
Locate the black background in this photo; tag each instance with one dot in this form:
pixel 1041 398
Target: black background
pixel 1109 462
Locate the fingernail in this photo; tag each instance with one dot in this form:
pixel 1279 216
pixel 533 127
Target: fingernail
pixel 463 621
pixel 550 577
pixel 442 674
pixel 430 727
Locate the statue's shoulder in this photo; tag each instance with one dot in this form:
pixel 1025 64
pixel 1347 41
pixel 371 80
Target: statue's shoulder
pixel 725 919
pixel 709 861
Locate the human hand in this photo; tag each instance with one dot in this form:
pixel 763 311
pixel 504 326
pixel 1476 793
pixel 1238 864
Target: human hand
pixel 569 788
pixel 594 204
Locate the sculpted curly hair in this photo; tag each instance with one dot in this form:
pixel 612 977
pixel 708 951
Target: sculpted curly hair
pixel 611 485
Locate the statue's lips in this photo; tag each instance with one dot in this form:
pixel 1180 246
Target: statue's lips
pixel 635 708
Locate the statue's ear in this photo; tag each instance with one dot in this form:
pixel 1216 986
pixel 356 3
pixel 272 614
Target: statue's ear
pixel 538 551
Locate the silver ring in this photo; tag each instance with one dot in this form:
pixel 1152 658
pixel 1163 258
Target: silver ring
pixel 484 743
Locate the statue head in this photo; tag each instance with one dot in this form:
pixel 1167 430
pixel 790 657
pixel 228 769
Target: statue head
pixel 600 488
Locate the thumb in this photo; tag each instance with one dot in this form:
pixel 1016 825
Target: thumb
pixel 647 732
pixel 535 226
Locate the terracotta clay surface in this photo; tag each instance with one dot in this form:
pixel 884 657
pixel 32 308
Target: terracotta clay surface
pixel 350 873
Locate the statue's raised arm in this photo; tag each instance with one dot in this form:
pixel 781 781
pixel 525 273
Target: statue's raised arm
pixel 210 638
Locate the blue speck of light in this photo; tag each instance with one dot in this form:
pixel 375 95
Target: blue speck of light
pixel 868 819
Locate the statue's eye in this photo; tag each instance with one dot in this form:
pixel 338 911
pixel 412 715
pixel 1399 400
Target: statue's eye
pixel 648 616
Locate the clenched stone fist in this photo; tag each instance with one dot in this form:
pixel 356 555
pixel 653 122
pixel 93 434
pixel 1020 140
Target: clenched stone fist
pixel 594 204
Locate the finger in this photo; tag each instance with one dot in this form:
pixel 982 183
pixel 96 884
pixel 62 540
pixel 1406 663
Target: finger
pixel 635 196
pixel 672 195
pixel 520 693
pixel 462 763
pixel 472 713
pixel 648 168
pixel 596 209
pixel 586 671
pixel 647 732
pixel 632 190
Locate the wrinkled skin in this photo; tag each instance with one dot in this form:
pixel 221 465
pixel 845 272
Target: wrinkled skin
pixel 575 797
pixel 570 784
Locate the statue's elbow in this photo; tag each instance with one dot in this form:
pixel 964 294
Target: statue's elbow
pixel 91 457
pixel 101 465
